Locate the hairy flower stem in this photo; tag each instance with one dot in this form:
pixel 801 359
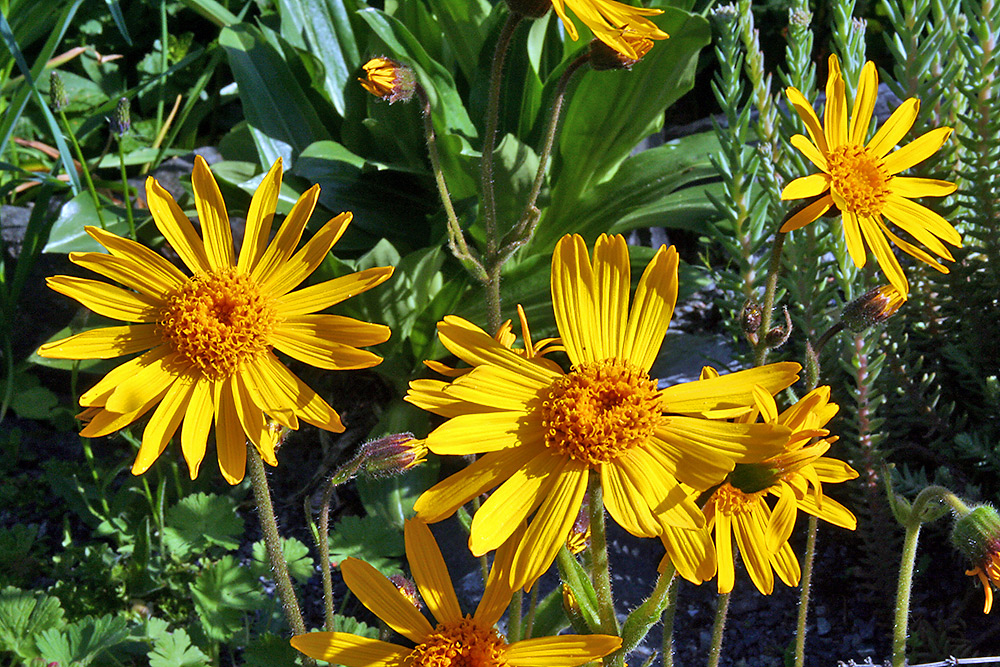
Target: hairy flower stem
pixel 805 583
pixel 126 197
pixel 903 594
pixel 718 630
pixel 456 239
pixel 529 623
pixel 646 615
pixel 600 570
pixel 771 287
pixel 323 545
pixel 272 539
pixel 669 612
pixel 83 167
pixel 514 616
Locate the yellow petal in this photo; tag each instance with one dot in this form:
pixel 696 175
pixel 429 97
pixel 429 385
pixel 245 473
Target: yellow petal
pixel 308 405
pixel 430 572
pixel 176 228
pixel 163 424
pixel 323 295
pixel 149 379
pixel 107 300
pixel 634 485
pixel 692 552
pixel 212 214
pixel 807 186
pixel 733 390
pixel 782 521
pixel 251 417
pixel 765 404
pixel 743 443
pixel 652 309
pixel 572 283
pixel 125 271
pixel 230 438
pixel 260 217
pixel 864 104
pixel 916 151
pixel 287 239
pixel 384 600
pixel 808 213
pixel 835 111
pixel 899 209
pixel 831 511
pixel 104 343
pixel 343 648
pixel 565 650
pixel 321 352
pixel 99 393
pixel 497 593
pixel 271 399
pixel 914 188
pixel 805 111
pixel 911 249
pixel 474 346
pixel 724 552
pixel 338 329
pixel 698 467
pixel 852 234
pixel 749 529
pixel 197 425
pixel 612 283
pixel 895 128
pixel 159 269
pixel 485 432
pixel 834 470
pixel 883 253
pixel 812 153
pixel 105 422
pixel 786 565
pixel 301 265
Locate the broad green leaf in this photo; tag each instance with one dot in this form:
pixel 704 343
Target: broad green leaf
pixel 213 11
pixel 67 234
pixel 353 626
pixel 273 100
pixel 174 649
pixel 23 616
pixel 611 111
pixel 269 650
pixel 391 499
pixel 300 564
pixel 369 538
pixel 223 592
pixel 327 31
pixel 81 642
pixel 31 400
pixel 202 520
pixel 462 21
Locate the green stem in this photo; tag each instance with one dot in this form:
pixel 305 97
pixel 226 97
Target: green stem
pixel 669 612
pixel 646 615
pixel 84 167
pixel 529 624
pixel 125 192
pixel 323 545
pixel 514 617
pixel 272 539
pixel 718 630
pixel 803 616
pixel 903 594
pixel 774 268
pixel 490 136
pixel 164 64
pixel 493 314
pixel 600 569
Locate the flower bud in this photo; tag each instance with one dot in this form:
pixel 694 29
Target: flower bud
pixel 579 533
pixel 977 535
pixel 570 605
pixel 121 121
pixel 604 57
pixel 389 80
pixel 873 307
pixel 57 92
pixel 750 317
pixel 392 455
pixel 532 9
pixel 407 588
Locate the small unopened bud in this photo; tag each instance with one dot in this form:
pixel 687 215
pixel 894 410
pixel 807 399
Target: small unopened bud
pixel 569 602
pixel 407 588
pixel 750 317
pixel 121 121
pixel 57 92
pixel 725 13
pixel 389 80
pixel 800 18
pixel 873 307
pixel 977 535
pixel 579 533
pixel 778 336
pixel 533 9
pixel 604 57
pixel 392 455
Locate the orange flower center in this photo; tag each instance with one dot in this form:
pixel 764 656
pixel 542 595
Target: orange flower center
pixel 600 410
pixel 217 321
pixel 463 643
pixel 731 501
pixel 859 178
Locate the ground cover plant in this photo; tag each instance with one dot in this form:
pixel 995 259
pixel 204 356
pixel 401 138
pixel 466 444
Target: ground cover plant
pixel 375 334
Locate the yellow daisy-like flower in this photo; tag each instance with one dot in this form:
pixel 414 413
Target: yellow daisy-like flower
pixel 389 80
pixel 543 432
pixel 796 476
pixel 862 179
pixel 206 339
pixel 620 26
pixel 457 640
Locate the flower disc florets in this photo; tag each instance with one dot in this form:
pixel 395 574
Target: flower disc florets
pixel 600 410
pixel 731 501
pixel 463 643
pixel 859 178
pixel 217 321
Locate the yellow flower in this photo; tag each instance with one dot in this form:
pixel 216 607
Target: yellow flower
pixel 620 26
pixel 543 432
pixel 862 179
pixel 976 534
pixel 796 476
pixel 457 640
pixel 206 339
pixel 389 80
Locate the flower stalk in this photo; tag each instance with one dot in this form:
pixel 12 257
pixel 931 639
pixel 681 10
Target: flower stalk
pixel 600 569
pixel 718 629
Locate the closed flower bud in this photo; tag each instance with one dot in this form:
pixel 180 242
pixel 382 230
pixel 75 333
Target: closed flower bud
pixel 121 121
pixel 389 80
pixel 579 533
pixel 57 92
pixel 407 588
pixel 603 57
pixel 533 9
pixel 977 535
pixel 750 317
pixel 873 307
pixel 392 455
pixel 570 605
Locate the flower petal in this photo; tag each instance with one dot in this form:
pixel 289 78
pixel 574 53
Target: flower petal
pixel 384 600
pixel 474 346
pixel 807 186
pixel 917 150
pixel 299 343
pixel 831 511
pixel 883 253
pixel 835 111
pixel 497 387
pixel 692 552
pixel 343 648
pixel 300 266
pixel 805 111
pixel 733 390
pixel 270 398
pixel 107 300
pixel 212 214
pixel 786 565
pixel 812 153
pixel 230 438
pixel 895 128
pixel 99 393
pixel 176 228
pixel 634 486
pixel 103 343
pixel 339 329
pixel 297 395
pixel 163 424
pixel 852 234
pixel 287 239
pixel 899 209
pixel 914 188
pixel 808 213
pixel 864 104
pixel 125 271
pixel 652 309
pixel 323 295
pixel 260 217
pixel 162 271
pixel 561 651
pixel 497 593
pixel 572 281
pixel 105 422
pixel 197 425
pixel 612 282
pixel 782 521
pixel 834 470
pixel 430 572
pixel 749 528
pixel 149 379
pixel 478 433
pixel 911 249
pixel 724 552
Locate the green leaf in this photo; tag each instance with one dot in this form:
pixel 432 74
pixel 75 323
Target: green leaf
pixel 24 615
pixel 597 136
pixel 200 521
pixel 213 11
pixel 81 642
pixel 67 234
pixel 368 538
pixel 30 400
pixel 463 22
pixel 300 564
pixel 222 593
pixel 174 649
pixel 353 626
pixel 268 650
pixel 391 499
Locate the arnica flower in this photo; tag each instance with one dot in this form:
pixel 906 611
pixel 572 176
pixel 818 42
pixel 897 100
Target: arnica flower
pixel 796 476
pixel 862 179
pixel 457 640
pixel 977 535
pixel 873 307
pixel 389 80
pixel 543 432
pixel 620 26
pixel 207 339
